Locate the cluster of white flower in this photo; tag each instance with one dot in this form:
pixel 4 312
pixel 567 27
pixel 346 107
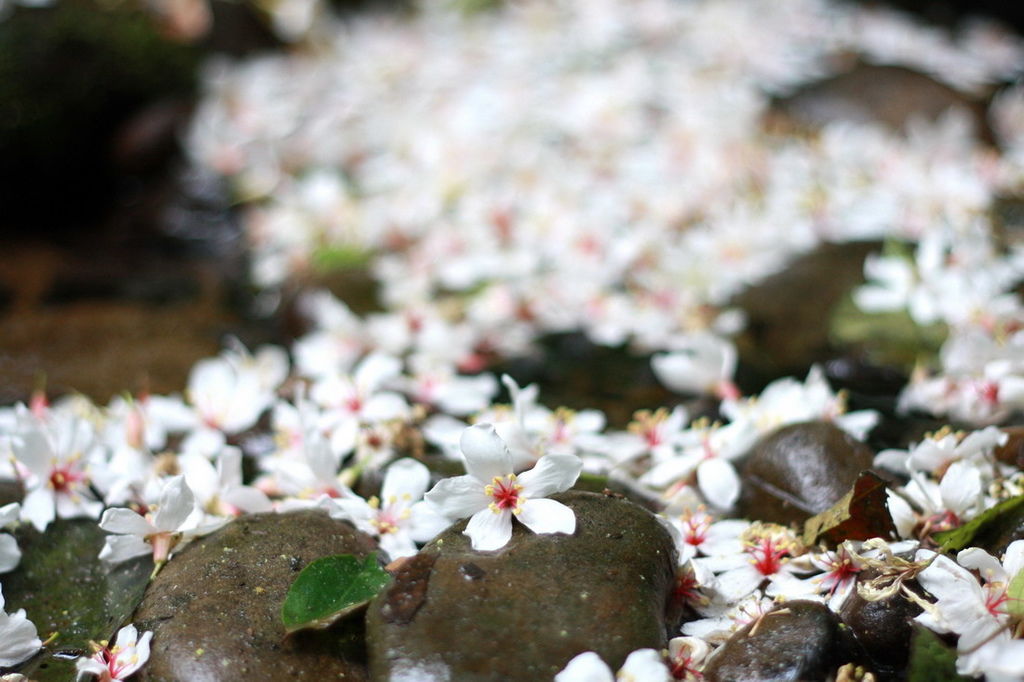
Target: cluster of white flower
pixel 636 191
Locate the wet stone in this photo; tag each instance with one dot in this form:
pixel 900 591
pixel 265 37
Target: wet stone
pixel 800 470
pixel 883 629
pixel 890 95
pixel 796 641
pixel 215 608
pixel 457 614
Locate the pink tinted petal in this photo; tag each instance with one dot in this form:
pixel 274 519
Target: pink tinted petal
pixel 489 530
pixel 485 453
pixel 552 474
pixel 548 516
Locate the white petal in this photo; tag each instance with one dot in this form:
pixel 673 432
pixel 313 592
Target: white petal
pixel 425 522
pixel 39 508
pixel 248 499
pixel 987 565
pixel 175 504
pixel 405 477
pixel 126 522
pixel 587 667
pixel 9 513
pixel 718 482
pixel 120 548
pixel 552 474
pixel 397 545
pixel 10 555
pixel 960 487
pixel 458 497
pixel 644 665
pixel 1013 560
pixel 374 370
pixel 485 453
pixel 488 530
pixel 547 516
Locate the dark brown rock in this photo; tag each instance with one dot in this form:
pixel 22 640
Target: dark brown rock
pixel 524 611
pixel 796 641
pixel 883 629
pixel 867 93
pixel 215 608
pixel 787 330
pixel 800 470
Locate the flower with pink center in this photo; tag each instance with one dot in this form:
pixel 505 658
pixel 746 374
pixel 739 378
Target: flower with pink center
pixel 158 532
pixel 399 518
pixel 767 548
pixel 975 610
pixel 491 494
pixel 117 662
pixel 834 576
pixel 686 656
pixel 696 532
pixel 55 455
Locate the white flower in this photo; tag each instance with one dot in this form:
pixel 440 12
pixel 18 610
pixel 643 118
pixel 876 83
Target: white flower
pixel 55 453
pixel 686 656
pixel 10 555
pixel 218 488
pixel 699 363
pixel 400 518
pixel 491 494
pixel 975 611
pixel 158 532
pixel 643 665
pixel 18 638
pixel 228 395
pixel 118 662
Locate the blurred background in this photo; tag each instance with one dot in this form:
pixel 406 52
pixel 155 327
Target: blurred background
pixel 120 263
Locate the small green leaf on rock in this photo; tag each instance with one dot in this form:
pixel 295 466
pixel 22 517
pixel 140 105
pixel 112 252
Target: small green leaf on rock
pixel 861 514
pixel 958 538
pixel 329 589
pixel 930 659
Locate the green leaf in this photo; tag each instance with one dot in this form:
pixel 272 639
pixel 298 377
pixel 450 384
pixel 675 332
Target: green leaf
pixel 1015 594
pixel 329 589
pixel 930 659
pixel 958 538
pixel 334 257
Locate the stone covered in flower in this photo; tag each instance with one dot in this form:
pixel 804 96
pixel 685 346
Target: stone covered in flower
pixel 491 494
pixel 399 518
pixel 18 639
pixel 118 662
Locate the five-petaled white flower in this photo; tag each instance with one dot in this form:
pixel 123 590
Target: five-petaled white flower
pixel 117 662
pixel 400 518
pixel 158 532
pixel 491 494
